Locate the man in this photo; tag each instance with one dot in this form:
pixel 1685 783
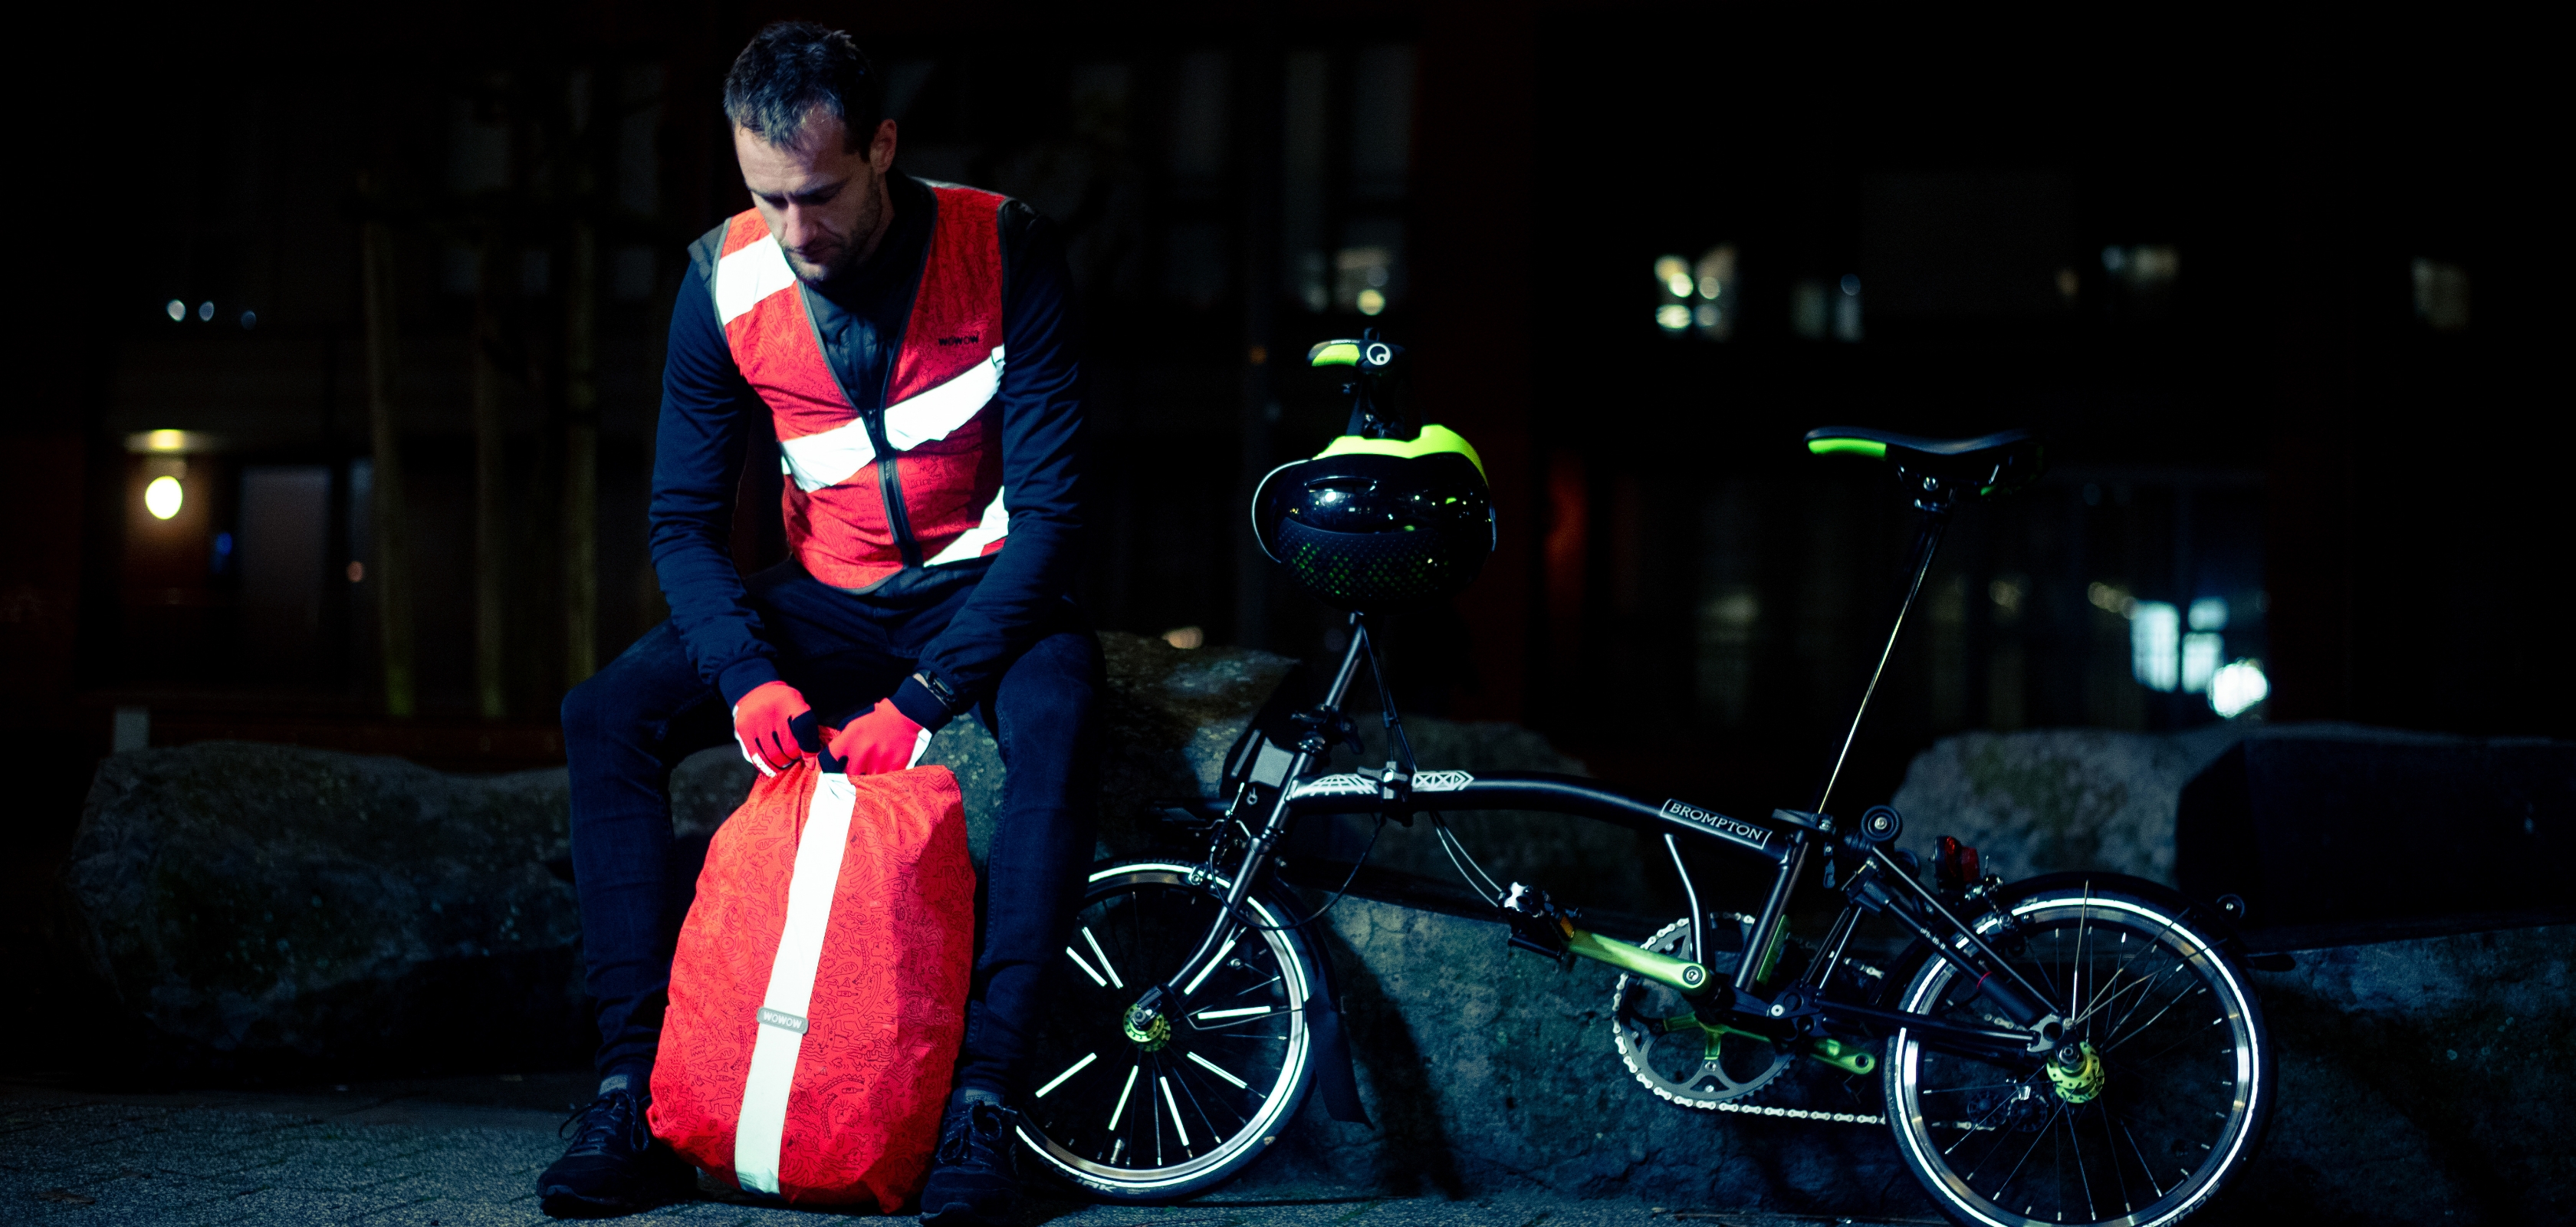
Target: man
pixel 910 345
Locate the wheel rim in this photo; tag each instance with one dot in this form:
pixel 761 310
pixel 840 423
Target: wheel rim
pixel 1110 1111
pixel 2177 1038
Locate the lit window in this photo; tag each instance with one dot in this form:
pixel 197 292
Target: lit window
pixel 1715 282
pixel 2237 687
pixel 1847 310
pixel 162 497
pixel 2149 266
pixel 1675 274
pixel 2442 295
pixel 2155 633
pixel 1674 293
pixel 2201 651
pixel 2209 613
pixel 1362 275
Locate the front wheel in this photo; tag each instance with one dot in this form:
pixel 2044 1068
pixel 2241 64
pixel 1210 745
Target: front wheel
pixel 2155 1100
pixel 1161 1120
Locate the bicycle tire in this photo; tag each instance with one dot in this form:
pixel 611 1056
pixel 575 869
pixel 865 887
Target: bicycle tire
pixel 1218 1091
pixel 2134 977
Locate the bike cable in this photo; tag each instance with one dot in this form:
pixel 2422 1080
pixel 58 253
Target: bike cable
pixel 1329 904
pixel 1465 862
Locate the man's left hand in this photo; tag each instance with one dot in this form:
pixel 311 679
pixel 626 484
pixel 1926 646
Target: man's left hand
pixel 882 740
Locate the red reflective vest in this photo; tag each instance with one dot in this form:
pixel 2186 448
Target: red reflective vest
pixel 935 454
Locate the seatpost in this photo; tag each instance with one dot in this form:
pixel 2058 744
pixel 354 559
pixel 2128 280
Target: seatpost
pixel 1933 506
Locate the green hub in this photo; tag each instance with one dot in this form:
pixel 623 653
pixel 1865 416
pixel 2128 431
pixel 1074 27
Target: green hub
pixel 2078 1073
pixel 1148 1027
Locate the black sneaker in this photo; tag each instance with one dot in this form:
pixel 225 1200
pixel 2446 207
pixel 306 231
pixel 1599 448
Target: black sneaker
pixel 613 1166
pixel 974 1179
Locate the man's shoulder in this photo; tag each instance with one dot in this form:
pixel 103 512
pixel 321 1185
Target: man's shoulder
pixel 1013 215
pixel 709 248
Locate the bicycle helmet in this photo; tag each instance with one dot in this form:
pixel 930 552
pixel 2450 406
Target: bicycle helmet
pixel 1376 521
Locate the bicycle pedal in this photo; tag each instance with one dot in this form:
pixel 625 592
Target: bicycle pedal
pixel 1537 924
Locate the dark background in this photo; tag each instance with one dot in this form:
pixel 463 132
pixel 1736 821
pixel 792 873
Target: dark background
pixel 2266 411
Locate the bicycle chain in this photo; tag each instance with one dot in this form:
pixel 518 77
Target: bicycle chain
pixel 1741 1103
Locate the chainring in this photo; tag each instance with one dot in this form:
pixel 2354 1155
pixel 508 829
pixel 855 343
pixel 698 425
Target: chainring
pixel 1669 1049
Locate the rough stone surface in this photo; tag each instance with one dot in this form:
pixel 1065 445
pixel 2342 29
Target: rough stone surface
pixel 1485 1069
pixel 2422 1081
pixel 2055 799
pixel 259 903
pixel 255 899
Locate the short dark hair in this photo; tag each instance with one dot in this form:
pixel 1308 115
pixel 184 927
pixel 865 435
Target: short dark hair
pixel 791 68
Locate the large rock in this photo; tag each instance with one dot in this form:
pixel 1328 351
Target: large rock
pixel 254 904
pixel 2057 799
pixel 2416 1087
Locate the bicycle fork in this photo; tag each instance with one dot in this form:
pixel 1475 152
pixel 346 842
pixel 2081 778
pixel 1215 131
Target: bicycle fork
pixel 1273 778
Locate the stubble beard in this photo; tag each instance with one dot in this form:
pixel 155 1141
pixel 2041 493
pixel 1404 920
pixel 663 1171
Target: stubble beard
pixel 842 257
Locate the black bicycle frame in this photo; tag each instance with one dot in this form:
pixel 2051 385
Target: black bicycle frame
pixel 1281 785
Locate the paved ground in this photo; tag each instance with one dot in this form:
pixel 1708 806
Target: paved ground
pixel 464 1152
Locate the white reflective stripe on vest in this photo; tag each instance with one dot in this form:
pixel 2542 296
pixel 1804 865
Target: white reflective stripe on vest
pixel 830 457
pixel 749 275
pixel 810 888
pixel 995 525
pixel 934 413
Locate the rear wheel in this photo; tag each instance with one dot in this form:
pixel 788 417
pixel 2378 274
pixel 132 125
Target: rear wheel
pixel 1156 1121
pixel 2154 1102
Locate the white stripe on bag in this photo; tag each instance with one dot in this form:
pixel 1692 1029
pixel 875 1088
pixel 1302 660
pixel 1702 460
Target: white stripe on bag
pixel 810 888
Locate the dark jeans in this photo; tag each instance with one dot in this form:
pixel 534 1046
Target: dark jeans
pixel 629 725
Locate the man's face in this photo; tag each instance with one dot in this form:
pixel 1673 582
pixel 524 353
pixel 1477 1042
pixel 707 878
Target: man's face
pixel 825 204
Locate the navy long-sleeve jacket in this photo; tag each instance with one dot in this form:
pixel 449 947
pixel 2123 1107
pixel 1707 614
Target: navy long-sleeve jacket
pixel 709 411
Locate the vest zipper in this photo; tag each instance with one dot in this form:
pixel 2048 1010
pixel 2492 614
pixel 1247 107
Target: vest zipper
pixel 890 489
pixel 889 481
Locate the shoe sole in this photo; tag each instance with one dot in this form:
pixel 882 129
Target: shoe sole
pixel 564 1203
pixel 962 1214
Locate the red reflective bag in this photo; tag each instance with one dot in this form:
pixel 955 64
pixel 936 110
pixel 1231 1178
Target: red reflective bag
pixel 818 993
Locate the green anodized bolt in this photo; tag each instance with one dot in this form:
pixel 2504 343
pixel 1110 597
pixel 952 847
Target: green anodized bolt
pixel 2078 1073
pixel 1148 1027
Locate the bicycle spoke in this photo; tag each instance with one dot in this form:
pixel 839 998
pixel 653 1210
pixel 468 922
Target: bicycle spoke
pixel 1972 1126
pixel 2144 1167
pixel 2111 1147
pixel 2151 1021
pixel 2082 1173
pixel 2075 977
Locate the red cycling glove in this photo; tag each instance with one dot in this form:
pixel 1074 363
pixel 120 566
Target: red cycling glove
pixel 775 727
pixel 884 739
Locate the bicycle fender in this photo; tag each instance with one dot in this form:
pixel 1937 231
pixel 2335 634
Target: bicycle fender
pixel 2205 916
pixel 1335 1074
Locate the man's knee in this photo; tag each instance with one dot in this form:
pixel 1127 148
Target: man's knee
pixel 642 688
pixel 592 711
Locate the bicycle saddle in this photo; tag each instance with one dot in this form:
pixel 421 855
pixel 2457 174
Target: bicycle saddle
pixel 1982 467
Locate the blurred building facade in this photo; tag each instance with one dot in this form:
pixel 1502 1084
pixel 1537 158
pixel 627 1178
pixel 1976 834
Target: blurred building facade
pixel 387 308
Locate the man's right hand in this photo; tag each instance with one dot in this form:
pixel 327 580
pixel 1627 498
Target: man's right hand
pixel 775 727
